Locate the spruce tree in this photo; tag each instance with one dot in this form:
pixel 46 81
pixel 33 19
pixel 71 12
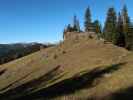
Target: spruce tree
pixel 110 25
pixel 87 22
pixel 69 28
pixel 76 25
pixel 98 29
pixel 126 19
pixel 127 27
pixel 64 33
pixel 120 23
pixel 129 37
pixel 119 36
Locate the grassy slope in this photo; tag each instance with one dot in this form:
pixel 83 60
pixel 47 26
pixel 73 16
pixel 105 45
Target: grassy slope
pixel 85 66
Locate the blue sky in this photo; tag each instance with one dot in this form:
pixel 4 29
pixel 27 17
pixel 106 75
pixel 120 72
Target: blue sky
pixel 44 20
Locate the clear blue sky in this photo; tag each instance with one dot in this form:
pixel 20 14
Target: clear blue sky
pixel 44 20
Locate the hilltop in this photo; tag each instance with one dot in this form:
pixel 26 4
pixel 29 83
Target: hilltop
pixel 79 68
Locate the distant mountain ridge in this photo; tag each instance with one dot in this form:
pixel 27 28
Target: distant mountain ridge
pixel 9 52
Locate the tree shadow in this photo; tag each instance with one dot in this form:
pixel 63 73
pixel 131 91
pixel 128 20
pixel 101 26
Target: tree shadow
pixel 28 87
pixel 2 71
pixel 79 81
pixel 71 85
pixel 125 94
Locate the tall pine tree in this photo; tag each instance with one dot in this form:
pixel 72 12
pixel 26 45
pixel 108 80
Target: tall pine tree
pixel 69 28
pixel 87 22
pixel 98 28
pixel 110 25
pixel 126 19
pixel 129 42
pixel 127 26
pixel 76 25
pixel 119 36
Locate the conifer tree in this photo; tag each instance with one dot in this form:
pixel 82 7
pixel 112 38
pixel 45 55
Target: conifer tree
pixel 76 25
pixel 129 37
pixel 119 36
pixel 127 27
pixel 110 25
pixel 98 29
pixel 69 28
pixel 64 33
pixel 97 26
pixel 120 23
pixel 87 22
pixel 126 19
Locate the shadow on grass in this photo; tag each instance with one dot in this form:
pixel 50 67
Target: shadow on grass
pixel 125 94
pixel 2 71
pixel 77 82
pixel 29 86
pixel 65 87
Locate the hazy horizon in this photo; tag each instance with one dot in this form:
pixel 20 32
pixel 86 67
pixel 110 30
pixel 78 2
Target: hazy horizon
pixel 44 20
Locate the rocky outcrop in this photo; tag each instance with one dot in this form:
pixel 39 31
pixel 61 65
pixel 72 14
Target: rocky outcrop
pixel 73 35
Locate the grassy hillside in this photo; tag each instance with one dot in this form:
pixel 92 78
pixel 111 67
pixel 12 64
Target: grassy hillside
pixel 76 69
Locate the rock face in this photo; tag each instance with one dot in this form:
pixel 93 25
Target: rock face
pixel 72 35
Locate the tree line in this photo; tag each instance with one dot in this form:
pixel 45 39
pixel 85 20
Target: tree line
pixel 117 28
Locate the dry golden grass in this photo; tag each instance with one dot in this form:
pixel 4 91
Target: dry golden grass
pixel 70 57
